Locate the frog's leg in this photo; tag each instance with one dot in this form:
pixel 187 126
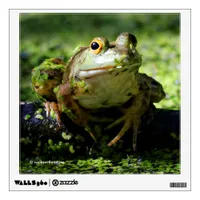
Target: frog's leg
pixel 53 106
pixel 157 91
pixel 133 115
pixel 68 105
pixel 79 116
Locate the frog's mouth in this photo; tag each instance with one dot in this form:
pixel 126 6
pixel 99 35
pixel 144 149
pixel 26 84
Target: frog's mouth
pixel 101 68
pixel 88 73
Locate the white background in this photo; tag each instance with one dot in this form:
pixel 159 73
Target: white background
pixel 194 103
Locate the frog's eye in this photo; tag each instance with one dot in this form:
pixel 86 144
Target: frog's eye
pixel 96 46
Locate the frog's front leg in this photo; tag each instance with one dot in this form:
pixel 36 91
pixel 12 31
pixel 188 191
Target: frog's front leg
pixel 69 106
pixel 133 115
pixel 53 106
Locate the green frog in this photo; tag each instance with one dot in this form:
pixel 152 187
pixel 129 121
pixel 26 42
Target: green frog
pixel 106 75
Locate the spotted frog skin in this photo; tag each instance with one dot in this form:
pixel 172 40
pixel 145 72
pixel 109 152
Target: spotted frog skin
pixel 106 75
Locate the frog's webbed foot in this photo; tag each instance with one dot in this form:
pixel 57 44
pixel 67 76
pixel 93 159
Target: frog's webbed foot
pixel 52 106
pixel 130 121
pixel 133 115
pixel 126 126
pixel 84 119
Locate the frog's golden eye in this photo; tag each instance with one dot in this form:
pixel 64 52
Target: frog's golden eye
pixel 96 46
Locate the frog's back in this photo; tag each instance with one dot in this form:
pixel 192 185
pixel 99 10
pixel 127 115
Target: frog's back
pixel 157 91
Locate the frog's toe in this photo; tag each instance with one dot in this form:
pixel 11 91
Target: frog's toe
pixel 115 123
pixel 93 136
pixel 130 122
pixel 47 108
pixel 52 106
pixel 88 129
pixel 127 125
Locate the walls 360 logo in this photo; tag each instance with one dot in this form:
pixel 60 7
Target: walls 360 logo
pixel 30 182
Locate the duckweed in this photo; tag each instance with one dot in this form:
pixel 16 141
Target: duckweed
pixel 101 165
pixel 27 117
pixel 38 116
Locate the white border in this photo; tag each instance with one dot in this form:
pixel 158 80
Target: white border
pixel 102 182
